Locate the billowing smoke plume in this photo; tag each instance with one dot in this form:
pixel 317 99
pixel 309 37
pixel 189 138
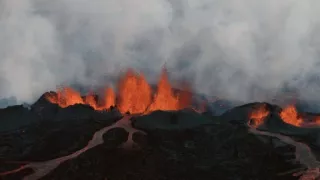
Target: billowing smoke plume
pixel 238 49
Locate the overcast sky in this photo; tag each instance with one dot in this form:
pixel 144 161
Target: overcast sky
pixel 238 49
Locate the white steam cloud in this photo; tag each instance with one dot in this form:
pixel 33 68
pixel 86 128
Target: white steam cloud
pixel 238 49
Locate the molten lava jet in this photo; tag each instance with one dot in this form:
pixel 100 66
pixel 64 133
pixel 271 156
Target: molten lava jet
pixel 258 115
pixel 135 95
pixel 290 115
pixel 65 97
pixel 164 99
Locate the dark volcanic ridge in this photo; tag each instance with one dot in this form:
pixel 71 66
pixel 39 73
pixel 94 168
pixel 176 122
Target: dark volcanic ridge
pixel 45 141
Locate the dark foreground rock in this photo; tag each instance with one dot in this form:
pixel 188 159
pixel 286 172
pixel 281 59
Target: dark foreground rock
pixel 273 123
pixel 175 120
pixel 15 117
pixel 207 152
pixel 178 145
pixel 181 145
pixel 37 139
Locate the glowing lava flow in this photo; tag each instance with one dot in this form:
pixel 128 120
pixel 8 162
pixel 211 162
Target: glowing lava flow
pixel 303 155
pixel 43 168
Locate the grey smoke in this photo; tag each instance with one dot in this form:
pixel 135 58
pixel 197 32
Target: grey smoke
pixel 238 49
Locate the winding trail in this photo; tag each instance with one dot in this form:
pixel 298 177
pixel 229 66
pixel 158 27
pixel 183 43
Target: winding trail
pixel 43 168
pixel 303 155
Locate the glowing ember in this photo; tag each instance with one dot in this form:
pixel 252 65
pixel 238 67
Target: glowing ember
pixel 135 96
pixel 258 115
pixel 290 115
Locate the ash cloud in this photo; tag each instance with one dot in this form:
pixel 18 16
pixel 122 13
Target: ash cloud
pixel 237 49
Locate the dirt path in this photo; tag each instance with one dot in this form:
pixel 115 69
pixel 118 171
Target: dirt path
pixel 303 155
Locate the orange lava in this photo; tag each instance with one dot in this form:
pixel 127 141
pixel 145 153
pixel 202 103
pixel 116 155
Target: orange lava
pixel 258 115
pixel 135 95
pixel 317 120
pixel 109 98
pixel 290 115
pixel 164 98
pixel 66 97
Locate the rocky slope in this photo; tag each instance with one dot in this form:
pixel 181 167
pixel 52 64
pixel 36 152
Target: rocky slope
pixel 45 141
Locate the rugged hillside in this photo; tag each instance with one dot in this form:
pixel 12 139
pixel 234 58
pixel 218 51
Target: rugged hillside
pixel 45 141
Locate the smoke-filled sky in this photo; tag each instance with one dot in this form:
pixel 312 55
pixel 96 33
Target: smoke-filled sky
pixel 238 49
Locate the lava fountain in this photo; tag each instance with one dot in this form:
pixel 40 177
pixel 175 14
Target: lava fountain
pixel 290 115
pixel 135 95
pixel 258 115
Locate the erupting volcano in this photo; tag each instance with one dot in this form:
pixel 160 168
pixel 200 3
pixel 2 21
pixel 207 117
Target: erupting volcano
pixel 65 135
pixel 135 95
pixel 288 115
